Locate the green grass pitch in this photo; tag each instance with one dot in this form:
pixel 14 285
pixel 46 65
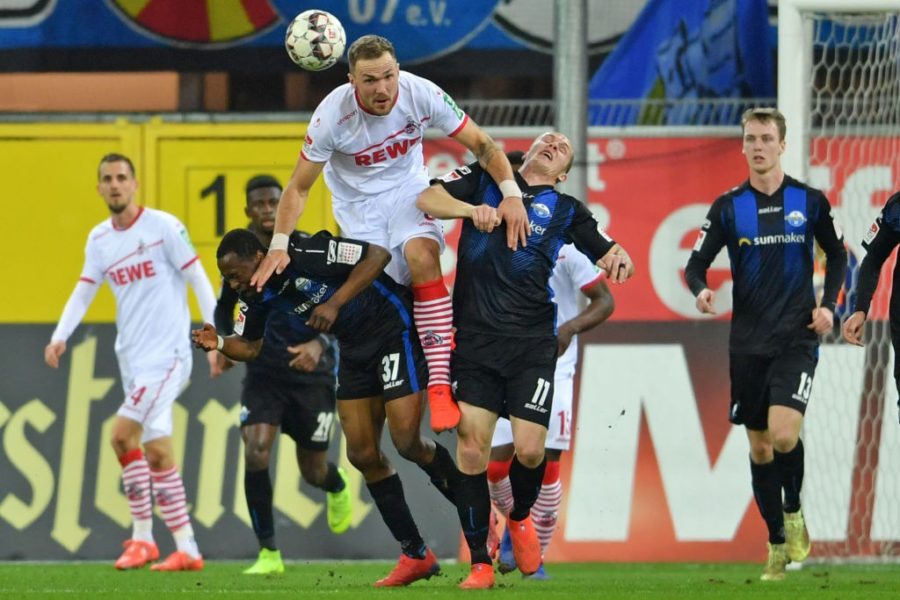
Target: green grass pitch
pixel 24 581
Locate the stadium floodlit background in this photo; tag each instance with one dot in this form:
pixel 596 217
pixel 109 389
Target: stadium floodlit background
pixel 202 96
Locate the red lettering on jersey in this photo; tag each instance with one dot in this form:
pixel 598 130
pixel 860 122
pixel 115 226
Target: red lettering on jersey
pixel 397 149
pixel 125 275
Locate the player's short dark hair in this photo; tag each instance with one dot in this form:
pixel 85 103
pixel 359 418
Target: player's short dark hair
pixel 261 181
pixel 116 157
pixel 242 242
pixel 515 158
pixel 764 116
pixel 369 47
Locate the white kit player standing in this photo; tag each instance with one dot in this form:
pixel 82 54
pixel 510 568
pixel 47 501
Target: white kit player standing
pixel 147 257
pixel 574 273
pixel 367 137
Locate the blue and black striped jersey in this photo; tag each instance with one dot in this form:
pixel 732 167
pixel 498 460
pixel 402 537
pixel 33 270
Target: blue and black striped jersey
pixel 283 329
pixel 508 293
pixel 880 240
pixel 319 266
pixel 770 244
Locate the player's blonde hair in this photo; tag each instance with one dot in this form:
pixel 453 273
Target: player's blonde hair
pixel 368 47
pixel 764 116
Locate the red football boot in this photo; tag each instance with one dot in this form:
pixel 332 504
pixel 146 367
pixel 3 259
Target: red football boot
pixel 480 578
pixel 179 561
pixel 137 554
pixel 444 410
pixel 526 546
pixel 409 570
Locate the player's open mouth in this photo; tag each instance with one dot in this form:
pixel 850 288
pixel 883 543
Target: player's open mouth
pixel 547 154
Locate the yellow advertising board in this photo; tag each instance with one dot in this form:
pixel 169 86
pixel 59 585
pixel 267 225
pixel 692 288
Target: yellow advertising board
pixel 196 171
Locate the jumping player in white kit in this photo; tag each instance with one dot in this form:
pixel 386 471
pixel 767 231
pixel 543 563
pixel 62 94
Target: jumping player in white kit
pixel 367 137
pixel 147 257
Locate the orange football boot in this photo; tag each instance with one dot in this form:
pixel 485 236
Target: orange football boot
pixel 526 546
pixel 137 554
pixel 410 569
pixel 444 410
pixel 179 561
pixel 480 578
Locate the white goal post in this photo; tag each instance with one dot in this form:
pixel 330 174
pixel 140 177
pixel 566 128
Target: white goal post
pixel 839 89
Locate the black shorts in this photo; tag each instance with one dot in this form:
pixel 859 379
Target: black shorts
pixel 761 381
pixel 391 367
pixel 508 376
pixel 305 412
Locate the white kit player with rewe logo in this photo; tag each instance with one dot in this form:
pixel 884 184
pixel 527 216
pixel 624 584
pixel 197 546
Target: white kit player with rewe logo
pixel 143 265
pixel 374 164
pixel 367 136
pixel 147 258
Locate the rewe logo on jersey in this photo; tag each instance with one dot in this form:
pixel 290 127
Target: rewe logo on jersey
pixel 129 273
pixel 391 151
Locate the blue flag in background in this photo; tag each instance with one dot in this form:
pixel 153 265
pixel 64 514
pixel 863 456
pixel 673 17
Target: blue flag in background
pixel 678 50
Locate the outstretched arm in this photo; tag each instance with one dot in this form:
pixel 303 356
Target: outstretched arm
pixel 437 202
pixel 233 346
pixel 290 207
pixel 493 160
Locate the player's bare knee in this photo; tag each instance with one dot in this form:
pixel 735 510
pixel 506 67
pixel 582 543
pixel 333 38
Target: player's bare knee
pixel 364 458
pixel 256 456
pixel 122 442
pixel 761 452
pixel 530 457
pixel 472 459
pixel 157 458
pixel 784 440
pixel 423 257
pixel 412 449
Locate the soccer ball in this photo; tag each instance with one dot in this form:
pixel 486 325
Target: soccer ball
pixel 315 40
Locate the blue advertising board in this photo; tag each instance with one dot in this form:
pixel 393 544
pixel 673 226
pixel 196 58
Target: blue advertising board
pixel 419 29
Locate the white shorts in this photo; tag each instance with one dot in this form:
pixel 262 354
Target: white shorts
pixel 389 221
pixel 150 394
pixel 559 431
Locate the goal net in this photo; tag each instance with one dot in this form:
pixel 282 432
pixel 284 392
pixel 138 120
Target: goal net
pixel 844 108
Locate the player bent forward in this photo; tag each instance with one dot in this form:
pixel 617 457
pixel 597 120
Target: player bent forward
pixel 339 285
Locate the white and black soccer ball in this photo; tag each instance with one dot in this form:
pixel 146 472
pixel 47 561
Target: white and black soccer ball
pixel 315 40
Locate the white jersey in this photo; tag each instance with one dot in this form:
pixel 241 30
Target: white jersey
pixel 573 273
pixel 368 155
pixel 143 265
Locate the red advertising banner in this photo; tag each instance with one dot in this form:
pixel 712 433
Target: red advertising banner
pixel 652 194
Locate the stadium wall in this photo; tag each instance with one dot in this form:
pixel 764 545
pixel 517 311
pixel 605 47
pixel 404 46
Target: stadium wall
pixel 656 471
